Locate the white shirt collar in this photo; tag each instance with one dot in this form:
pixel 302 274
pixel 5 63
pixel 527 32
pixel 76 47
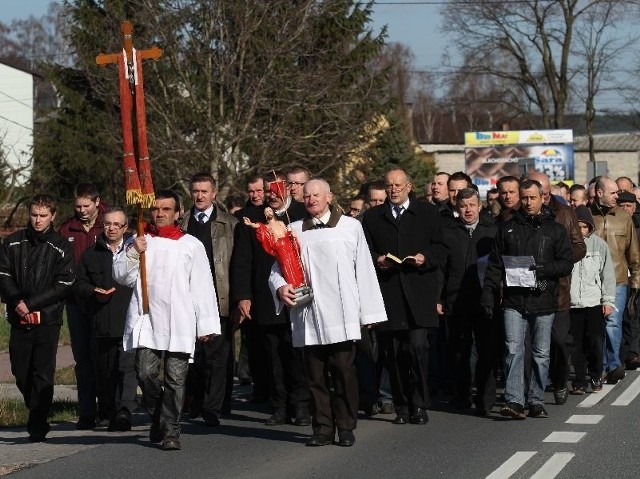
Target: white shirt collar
pixel 405 206
pixel 323 219
pixel 207 213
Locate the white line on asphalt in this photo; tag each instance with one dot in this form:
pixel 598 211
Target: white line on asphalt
pixel 553 466
pixel 564 436
pixel 511 465
pixel 584 419
pixel 629 394
pixel 594 398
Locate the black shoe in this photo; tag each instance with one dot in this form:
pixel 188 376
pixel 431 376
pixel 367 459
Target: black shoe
pixel 277 418
pixel 561 395
pixel 104 422
pixel 171 443
pixel 85 423
pixel 401 419
pixel 123 421
pixel 616 375
pixel 386 408
pixel 211 419
pixel 419 416
pixel 632 362
pixel 40 434
pixel 346 438
pixel 482 412
pixel 513 410
pixel 195 408
pixel 156 433
pixel 537 411
pixel 303 418
pixel 319 440
pixel 596 385
pixel 578 389
pixel 369 409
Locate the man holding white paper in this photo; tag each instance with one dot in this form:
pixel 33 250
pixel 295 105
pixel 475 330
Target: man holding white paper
pixel 532 235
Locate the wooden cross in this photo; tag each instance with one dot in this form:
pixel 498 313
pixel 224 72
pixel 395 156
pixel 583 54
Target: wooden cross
pixel 132 107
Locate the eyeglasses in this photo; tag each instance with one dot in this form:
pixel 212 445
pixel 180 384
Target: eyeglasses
pixel 396 188
pixel 108 224
pixel 295 183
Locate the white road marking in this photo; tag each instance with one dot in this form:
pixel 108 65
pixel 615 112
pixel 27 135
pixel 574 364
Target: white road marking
pixel 564 436
pixel 511 465
pixel 594 398
pixel 585 419
pixel 629 394
pixel 553 466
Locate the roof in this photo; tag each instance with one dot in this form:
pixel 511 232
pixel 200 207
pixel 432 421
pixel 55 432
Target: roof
pixel 609 142
pixel 18 64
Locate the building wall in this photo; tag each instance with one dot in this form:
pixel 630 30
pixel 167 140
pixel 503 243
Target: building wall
pixel 16 119
pixel 450 158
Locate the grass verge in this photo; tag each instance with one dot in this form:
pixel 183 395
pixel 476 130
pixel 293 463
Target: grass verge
pixel 13 412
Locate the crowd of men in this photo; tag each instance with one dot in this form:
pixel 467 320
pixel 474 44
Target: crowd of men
pixel 409 292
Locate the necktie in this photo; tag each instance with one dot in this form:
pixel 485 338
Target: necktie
pixel 320 225
pixel 201 216
pixel 398 211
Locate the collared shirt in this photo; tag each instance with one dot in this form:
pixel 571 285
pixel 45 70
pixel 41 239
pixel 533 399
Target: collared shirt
pixel 287 203
pixel 207 214
pixel 404 207
pixel 324 219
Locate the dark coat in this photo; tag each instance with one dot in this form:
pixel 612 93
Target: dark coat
pixel 251 265
pixel 95 270
pixel 81 239
pixel 418 231
pixel 37 269
pixel 548 243
pixel 462 289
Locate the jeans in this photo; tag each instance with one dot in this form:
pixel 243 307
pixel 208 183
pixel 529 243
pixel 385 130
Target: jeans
pixel 164 404
pixel 613 327
pixel 515 325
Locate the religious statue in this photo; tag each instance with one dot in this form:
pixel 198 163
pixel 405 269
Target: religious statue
pixel 280 242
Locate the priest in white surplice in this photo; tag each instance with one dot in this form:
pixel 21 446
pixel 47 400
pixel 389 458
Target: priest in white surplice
pixel 182 307
pixel 347 296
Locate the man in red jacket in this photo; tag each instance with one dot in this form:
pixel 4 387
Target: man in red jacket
pixel 82 230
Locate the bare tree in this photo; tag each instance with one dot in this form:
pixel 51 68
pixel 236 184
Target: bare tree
pixel 534 41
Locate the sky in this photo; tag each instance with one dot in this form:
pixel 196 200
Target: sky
pixel 416 26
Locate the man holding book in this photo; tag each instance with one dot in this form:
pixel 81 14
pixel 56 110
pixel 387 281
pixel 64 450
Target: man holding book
pixel 411 231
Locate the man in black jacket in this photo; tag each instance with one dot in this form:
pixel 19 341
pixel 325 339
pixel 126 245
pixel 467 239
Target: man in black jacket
pixel 411 231
pixel 106 303
pixel 470 238
pixel 249 274
pixel 36 276
pixel 534 237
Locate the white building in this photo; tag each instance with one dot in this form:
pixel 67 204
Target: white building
pixel 16 121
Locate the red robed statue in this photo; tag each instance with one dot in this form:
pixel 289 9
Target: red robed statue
pixel 280 242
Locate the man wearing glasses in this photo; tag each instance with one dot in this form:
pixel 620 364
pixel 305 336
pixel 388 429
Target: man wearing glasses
pixel 106 303
pixel 296 178
pixel 411 232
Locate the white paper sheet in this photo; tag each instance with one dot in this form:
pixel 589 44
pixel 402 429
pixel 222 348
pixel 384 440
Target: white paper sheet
pixel 517 271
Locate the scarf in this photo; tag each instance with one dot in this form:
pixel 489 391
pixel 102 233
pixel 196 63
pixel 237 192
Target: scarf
pixel 171 232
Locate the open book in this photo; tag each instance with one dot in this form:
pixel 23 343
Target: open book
pixel 395 259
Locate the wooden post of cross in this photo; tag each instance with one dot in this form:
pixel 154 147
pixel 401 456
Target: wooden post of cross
pixel 133 158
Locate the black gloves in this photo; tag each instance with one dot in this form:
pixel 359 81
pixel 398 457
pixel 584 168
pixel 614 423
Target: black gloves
pixel 487 312
pixel 539 269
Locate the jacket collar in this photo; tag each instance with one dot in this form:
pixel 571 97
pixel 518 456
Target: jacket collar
pixel 336 213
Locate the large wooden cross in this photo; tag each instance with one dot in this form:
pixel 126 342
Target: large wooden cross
pixel 136 165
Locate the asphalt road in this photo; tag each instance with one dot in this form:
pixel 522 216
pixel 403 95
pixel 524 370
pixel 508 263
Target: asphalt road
pixel 605 435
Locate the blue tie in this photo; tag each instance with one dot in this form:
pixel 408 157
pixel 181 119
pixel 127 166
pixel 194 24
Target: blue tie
pixel 398 211
pixel 201 217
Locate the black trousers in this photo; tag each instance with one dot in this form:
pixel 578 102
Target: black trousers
pixel 560 342
pixel 32 353
pixel 210 378
pixel 630 334
pixel 336 407
pixel 588 330
pixel 258 360
pixel 464 331
pixel 117 375
pixel 289 386
pixel 407 360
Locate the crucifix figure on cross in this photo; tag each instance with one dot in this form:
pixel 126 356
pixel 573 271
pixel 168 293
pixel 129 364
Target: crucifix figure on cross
pixel 137 174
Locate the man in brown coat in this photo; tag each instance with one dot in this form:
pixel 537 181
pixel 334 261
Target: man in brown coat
pixel 615 226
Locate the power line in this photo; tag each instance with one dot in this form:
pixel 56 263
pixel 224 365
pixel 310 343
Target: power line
pixel 16 123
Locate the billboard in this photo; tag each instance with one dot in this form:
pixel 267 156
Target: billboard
pixel 491 155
